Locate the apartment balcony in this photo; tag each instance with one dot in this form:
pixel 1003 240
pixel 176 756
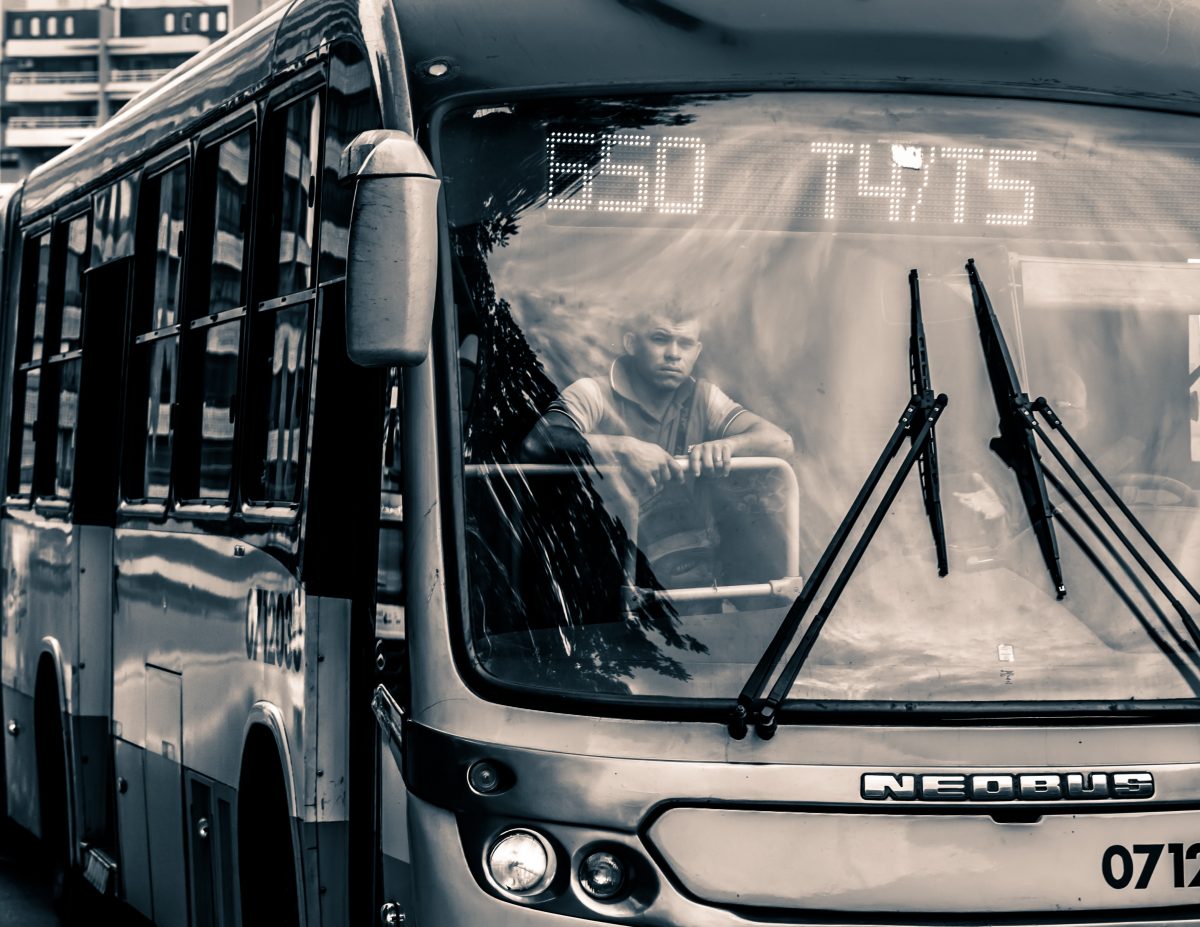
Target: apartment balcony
pixel 125 84
pixel 117 45
pixel 51 86
pixel 51 48
pixel 47 131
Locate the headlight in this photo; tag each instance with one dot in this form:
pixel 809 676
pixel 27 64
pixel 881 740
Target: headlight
pixel 521 862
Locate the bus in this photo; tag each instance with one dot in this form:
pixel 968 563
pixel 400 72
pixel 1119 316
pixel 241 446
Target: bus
pixel 650 463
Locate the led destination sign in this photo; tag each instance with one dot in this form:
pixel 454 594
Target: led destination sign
pixel 767 179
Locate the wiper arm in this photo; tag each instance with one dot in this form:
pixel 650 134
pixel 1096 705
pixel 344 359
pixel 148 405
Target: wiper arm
pixel 1015 444
pixel 1056 425
pixel 927 463
pixel 916 422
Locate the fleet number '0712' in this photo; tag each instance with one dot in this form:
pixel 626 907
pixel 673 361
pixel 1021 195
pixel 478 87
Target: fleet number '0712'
pixel 1120 868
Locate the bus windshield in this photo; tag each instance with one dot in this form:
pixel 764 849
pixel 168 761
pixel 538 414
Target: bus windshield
pixel 682 331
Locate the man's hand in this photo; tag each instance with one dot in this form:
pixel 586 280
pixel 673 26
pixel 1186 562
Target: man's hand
pixel 650 464
pixel 712 457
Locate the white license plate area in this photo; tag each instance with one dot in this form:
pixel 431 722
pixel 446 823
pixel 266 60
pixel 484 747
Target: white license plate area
pixel 933 863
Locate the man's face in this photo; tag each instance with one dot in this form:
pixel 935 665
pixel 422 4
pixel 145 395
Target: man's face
pixel 665 351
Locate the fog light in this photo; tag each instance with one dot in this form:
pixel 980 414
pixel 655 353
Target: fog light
pixel 602 875
pixel 483 777
pixel 521 862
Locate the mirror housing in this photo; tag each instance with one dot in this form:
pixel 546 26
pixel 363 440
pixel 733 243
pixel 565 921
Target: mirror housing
pixel 391 270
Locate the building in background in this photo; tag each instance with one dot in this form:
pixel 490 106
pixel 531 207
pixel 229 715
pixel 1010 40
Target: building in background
pixel 66 66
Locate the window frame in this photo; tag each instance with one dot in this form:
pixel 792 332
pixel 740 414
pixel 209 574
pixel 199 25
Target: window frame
pixel 266 304
pixel 143 296
pixel 42 495
pixel 49 401
pixel 31 247
pixel 197 320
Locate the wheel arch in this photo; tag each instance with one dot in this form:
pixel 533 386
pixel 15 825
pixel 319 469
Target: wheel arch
pixel 265 720
pixel 268 716
pixel 50 668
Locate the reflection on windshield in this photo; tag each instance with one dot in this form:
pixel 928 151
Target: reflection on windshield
pixel 669 414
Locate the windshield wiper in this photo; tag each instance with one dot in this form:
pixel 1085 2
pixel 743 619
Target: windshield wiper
pixel 927 463
pixel 1018 412
pixel 1042 407
pixel 1014 444
pixel 916 422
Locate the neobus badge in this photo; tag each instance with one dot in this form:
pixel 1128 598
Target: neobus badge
pixel 1040 786
pixel 275 627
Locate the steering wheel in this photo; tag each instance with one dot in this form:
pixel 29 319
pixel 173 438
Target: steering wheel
pixel 1180 492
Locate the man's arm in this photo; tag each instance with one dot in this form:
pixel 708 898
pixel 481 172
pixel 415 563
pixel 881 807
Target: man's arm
pixel 557 434
pixel 748 435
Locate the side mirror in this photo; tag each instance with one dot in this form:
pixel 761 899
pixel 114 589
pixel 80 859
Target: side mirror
pixel 391 274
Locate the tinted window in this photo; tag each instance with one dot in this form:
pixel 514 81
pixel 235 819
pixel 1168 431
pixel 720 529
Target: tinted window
pixel 297 144
pixel 172 211
pixel 230 189
pixel 284 376
pixel 208 393
pixel 31 336
pixel 352 110
pixel 77 257
pixel 218 391
pixel 280 334
pixel 62 372
pixel 153 380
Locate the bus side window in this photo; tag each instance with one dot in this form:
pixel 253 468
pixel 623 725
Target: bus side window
pixel 352 110
pixel 59 404
pixel 31 338
pixel 154 355
pixel 112 228
pixel 213 331
pixel 281 326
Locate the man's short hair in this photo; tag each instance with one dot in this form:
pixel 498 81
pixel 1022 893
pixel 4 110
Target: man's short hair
pixel 672 310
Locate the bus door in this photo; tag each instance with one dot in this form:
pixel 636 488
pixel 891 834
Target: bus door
pixel 391 645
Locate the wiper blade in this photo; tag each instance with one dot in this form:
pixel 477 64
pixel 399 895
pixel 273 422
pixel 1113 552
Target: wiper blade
pixel 1056 424
pixel 916 422
pixel 1015 444
pixel 927 463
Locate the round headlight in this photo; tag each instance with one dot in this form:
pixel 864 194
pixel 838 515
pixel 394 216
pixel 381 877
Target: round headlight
pixel 521 862
pixel 602 875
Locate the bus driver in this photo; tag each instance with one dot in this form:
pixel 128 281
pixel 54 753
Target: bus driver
pixel 649 415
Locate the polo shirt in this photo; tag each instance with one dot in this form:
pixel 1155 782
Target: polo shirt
pixel 606 406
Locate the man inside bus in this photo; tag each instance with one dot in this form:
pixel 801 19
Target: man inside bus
pixel 660 425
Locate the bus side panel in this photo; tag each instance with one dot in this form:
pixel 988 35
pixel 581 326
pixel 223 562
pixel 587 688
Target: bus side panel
pixel 40 602
pixel 326 762
pixel 20 763
pixel 131 826
pixel 164 796
pixel 229 619
pixel 93 705
pixel 229 622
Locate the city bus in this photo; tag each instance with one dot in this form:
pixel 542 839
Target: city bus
pixel 388 529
